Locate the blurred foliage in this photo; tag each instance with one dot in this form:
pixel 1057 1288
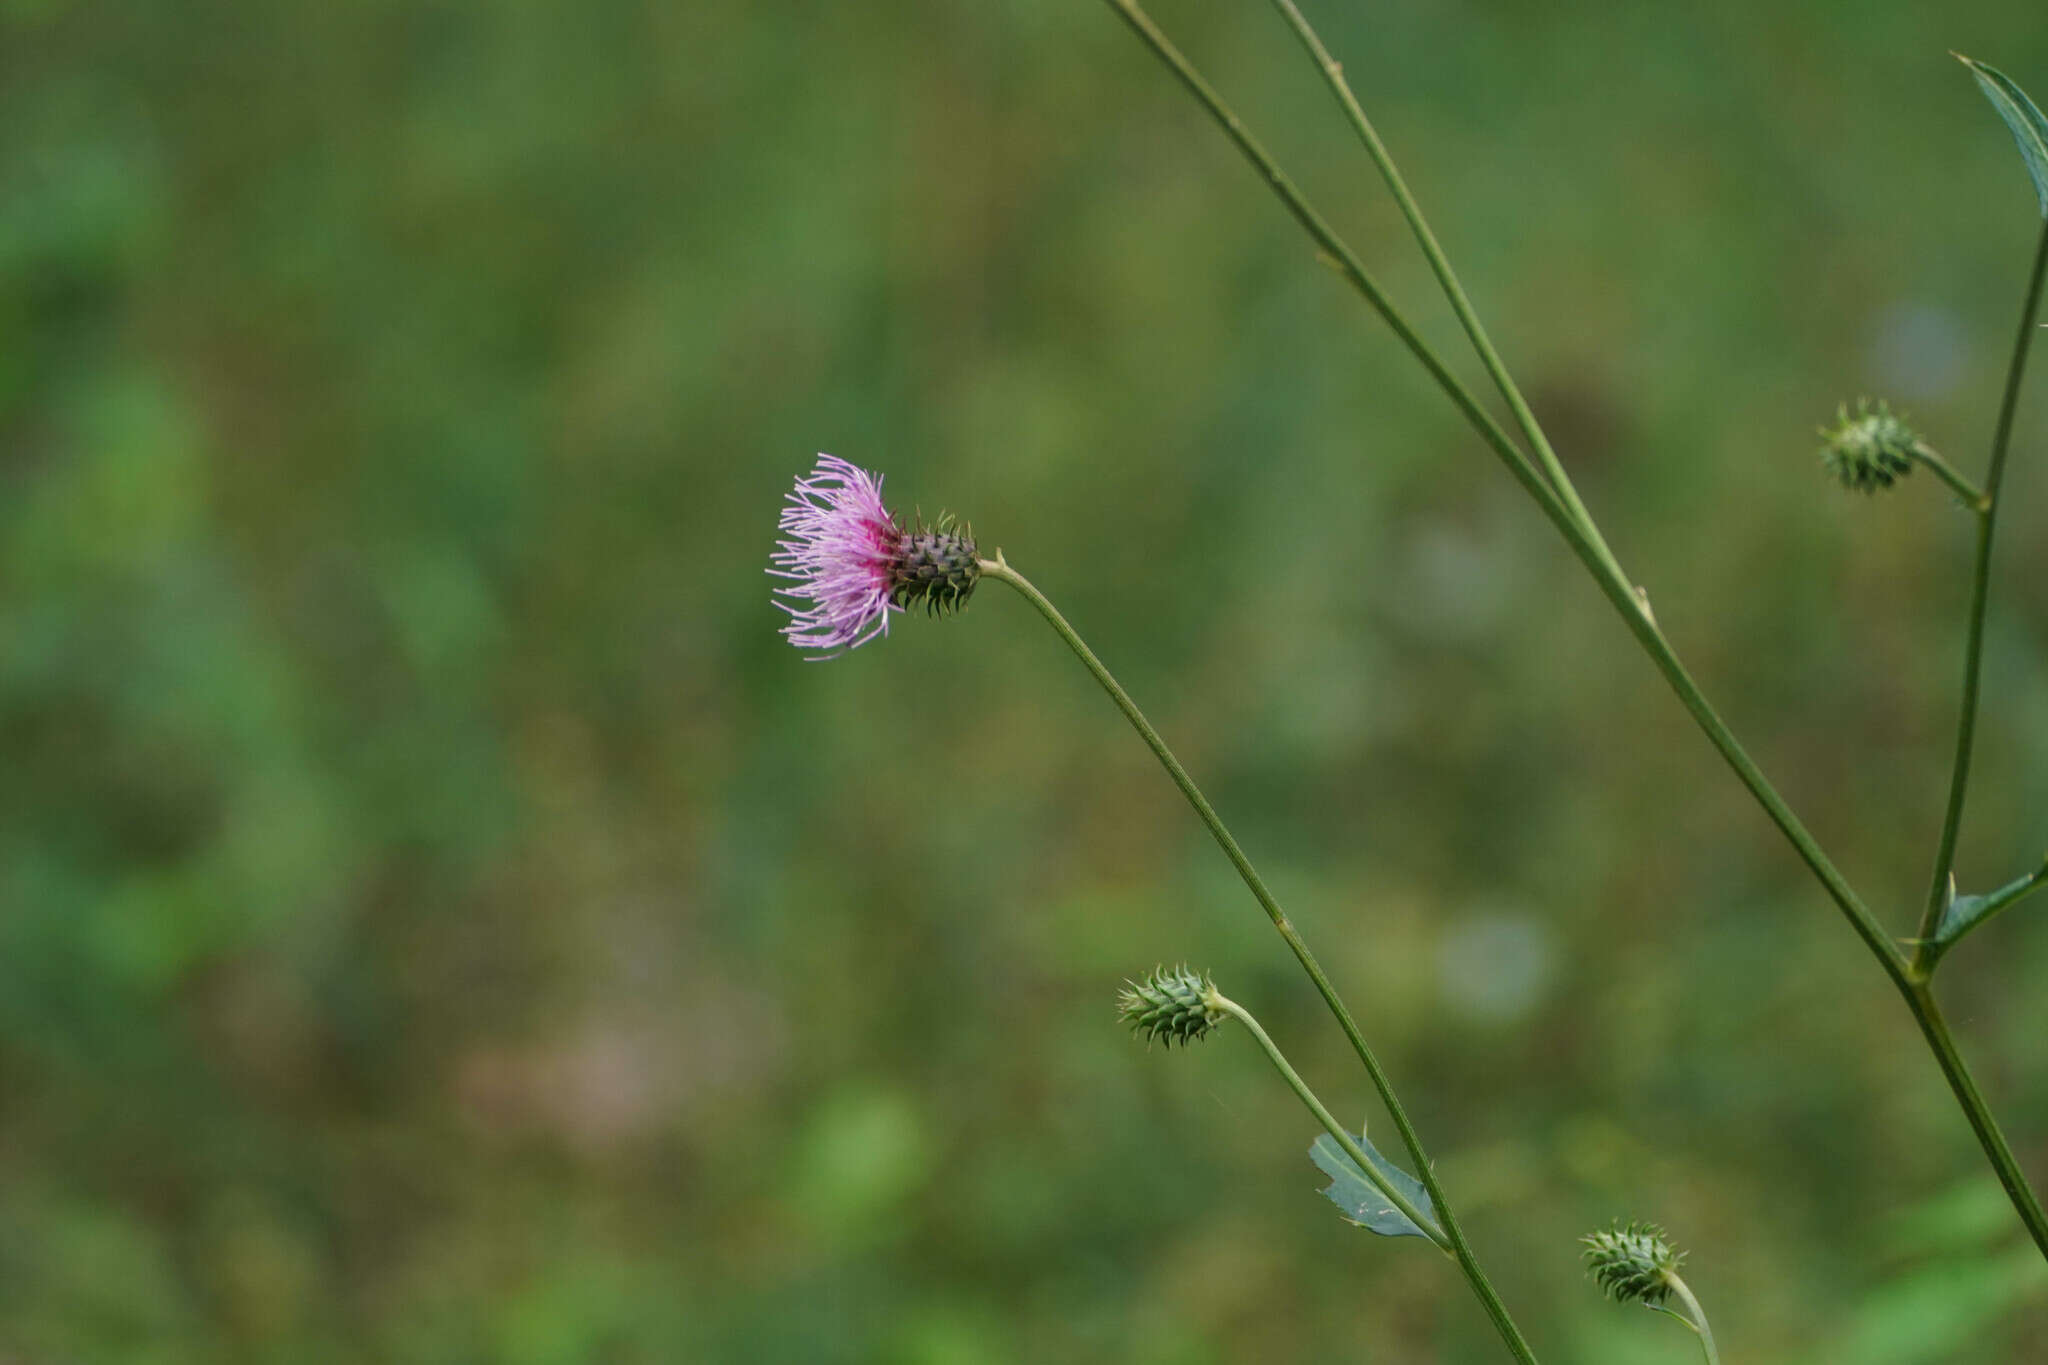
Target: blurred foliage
pixel 441 921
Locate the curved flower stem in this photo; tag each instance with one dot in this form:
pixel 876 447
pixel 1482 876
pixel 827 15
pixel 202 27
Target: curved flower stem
pixel 1482 345
pixel 1694 1317
pixel 1635 613
pixel 999 568
pixel 1335 1129
pixel 1980 589
pixel 1971 496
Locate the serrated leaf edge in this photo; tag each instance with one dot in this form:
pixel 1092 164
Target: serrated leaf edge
pixel 1326 1154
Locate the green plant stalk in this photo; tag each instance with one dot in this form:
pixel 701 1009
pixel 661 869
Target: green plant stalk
pixel 1980 591
pixel 1341 256
pixel 1972 497
pixel 1334 1128
pixel 1447 278
pixel 1610 578
pixel 1934 1028
pixel 1697 1319
pixel 1635 614
pixel 999 568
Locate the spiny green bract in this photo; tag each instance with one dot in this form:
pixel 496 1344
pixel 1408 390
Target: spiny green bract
pixel 1175 1005
pixel 937 566
pixel 1632 1262
pixel 1872 450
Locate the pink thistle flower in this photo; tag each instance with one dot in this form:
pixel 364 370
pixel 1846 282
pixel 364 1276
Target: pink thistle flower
pixel 852 563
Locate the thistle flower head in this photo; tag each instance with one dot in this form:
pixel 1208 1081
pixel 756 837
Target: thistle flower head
pixel 852 562
pixel 1177 1006
pixel 1632 1262
pixel 1871 450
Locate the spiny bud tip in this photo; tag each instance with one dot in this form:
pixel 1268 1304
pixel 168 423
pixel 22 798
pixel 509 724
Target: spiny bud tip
pixel 937 566
pixel 1176 1006
pixel 1632 1262
pixel 1871 450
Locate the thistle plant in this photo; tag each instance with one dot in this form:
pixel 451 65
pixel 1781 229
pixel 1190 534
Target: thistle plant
pixel 1169 1007
pixel 849 557
pixel 1907 962
pixel 1635 1263
pixel 1876 448
pixel 853 563
pixel 1372 1191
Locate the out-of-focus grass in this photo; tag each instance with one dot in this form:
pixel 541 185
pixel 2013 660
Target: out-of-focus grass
pixel 439 920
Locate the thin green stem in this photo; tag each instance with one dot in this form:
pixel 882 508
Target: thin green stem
pixel 1966 735
pixel 1426 1224
pixel 1341 256
pixel 1611 581
pixel 999 568
pixel 1934 1027
pixel 1973 497
pixel 1482 345
pixel 1636 615
pixel 1698 1319
pixel 1861 920
pixel 1980 591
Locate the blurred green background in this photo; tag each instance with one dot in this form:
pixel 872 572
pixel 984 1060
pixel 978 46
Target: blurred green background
pixel 440 920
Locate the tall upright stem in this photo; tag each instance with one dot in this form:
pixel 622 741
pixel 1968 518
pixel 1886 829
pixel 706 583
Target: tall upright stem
pixel 1447 278
pixel 1345 259
pixel 1909 978
pixel 1980 591
pixel 1934 1028
pixel 1612 582
pixel 999 568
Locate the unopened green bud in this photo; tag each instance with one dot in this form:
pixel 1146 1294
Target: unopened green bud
pixel 1632 1262
pixel 1873 449
pixel 1176 1006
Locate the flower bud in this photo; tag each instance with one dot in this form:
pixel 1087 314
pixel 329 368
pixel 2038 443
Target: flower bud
pixel 1632 1262
pixel 1872 450
pixel 851 562
pixel 1174 1006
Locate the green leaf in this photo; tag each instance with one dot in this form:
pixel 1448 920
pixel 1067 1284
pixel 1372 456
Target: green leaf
pixel 1964 913
pixel 1957 916
pixel 1360 1200
pixel 2029 128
